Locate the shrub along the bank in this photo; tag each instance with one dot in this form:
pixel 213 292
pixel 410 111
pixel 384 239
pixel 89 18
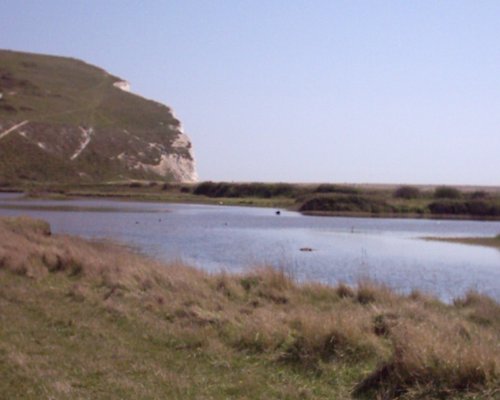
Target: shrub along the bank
pixel 407 192
pixel 447 192
pixel 172 187
pixel 346 203
pixel 262 190
pixel 479 208
pixel 479 194
pixel 329 188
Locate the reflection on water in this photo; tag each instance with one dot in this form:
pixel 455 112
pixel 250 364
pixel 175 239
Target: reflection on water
pixel 235 238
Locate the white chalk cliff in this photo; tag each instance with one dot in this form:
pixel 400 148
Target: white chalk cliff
pixel 177 163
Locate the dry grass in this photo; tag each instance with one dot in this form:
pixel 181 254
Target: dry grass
pixel 493 242
pixel 364 340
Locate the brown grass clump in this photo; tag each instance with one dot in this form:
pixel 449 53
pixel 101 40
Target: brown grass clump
pixel 372 292
pixel 345 291
pixel 479 308
pixel 342 336
pixel 443 357
pixel 28 248
pixel 391 345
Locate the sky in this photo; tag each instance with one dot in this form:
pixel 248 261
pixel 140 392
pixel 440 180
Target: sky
pixel 299 91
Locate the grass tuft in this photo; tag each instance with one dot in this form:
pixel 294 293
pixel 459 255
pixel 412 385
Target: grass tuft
pixel 171 331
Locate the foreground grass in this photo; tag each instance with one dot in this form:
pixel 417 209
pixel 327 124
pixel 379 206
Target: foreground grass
pixel 93 320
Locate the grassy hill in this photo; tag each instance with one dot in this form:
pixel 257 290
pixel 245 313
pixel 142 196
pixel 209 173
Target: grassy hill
pixel 64 120
pixel 80 319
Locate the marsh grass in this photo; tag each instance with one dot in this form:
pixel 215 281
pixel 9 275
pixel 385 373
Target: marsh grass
pixel 84 319
pixel 324 199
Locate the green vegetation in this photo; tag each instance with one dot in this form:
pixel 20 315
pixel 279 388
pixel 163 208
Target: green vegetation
pixel 80 319
pixel 480 208
pixel 322 199
pixel 349 200
pixel 330 188
pixel 403 201
pixel 145 191
pixel 258 190
pixel 407 192
pixel 446 192
pixel 347 203
pixel 62 101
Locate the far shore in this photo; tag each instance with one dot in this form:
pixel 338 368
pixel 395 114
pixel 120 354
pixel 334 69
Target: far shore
pixel 276 203
pixel 333 200
pixel 349 214
pixel 475 241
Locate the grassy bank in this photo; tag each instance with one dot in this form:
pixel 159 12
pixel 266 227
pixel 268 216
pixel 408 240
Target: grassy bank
pixel 315 199
pixel 144 191
pixel 93 320
pixel 477 241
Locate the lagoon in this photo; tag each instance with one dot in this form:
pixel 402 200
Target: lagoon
pixel 233 239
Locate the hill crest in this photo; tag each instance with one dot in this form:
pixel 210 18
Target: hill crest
pixel 62 119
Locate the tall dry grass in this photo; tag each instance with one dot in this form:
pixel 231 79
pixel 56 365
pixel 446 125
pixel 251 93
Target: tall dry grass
pixel 419 346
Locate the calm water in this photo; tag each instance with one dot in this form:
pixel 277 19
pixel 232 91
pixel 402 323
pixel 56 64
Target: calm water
pixel 235 238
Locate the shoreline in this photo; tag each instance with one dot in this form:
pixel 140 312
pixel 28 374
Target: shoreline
pixel 380 200
pixel 283 203
pixel 492 242
pixel 191 334
pixel 398 216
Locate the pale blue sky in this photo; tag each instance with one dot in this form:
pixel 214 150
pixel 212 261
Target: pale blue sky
pixel 299 91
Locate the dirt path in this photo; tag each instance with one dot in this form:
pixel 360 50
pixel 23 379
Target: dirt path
pixel 87 136
pixel 12 129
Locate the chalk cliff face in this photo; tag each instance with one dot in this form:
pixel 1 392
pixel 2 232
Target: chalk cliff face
pixel 64 120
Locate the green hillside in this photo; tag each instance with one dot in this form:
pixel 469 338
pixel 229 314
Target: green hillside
pixel 64 120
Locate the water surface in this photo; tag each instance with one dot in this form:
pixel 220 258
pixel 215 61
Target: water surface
pixel 235 238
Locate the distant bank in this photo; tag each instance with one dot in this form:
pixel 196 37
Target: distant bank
pixel 403 201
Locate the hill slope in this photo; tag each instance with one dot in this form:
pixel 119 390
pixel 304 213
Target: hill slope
pixel 64 120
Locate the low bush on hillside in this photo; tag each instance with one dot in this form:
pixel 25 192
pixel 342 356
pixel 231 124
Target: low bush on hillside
pixel 330 188
pixel 447 192
pixel 407 192
pixel 480 195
